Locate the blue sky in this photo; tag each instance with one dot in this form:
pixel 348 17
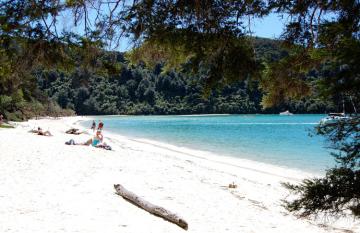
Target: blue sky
pixel 269 27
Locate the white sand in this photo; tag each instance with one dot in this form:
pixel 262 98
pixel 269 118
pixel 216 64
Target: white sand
pixel 47 186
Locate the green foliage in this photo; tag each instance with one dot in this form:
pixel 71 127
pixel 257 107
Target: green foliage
pixel 200 39
pixel 331 47
pixel 226 58
pixel 194 35
pixel 138 90
pixel 283 80
pixel 339 191
pixel 6 126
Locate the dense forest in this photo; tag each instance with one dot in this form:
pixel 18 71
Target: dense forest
pixel 140 90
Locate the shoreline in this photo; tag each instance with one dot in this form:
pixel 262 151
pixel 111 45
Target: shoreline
pixel 48 186
pixel 295 174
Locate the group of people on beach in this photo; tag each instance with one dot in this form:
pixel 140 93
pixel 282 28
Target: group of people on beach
pixel 100 125
pixel 96 140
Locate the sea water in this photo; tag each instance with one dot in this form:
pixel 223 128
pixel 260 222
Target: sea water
pixel 288 141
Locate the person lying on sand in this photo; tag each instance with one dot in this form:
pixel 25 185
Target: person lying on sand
pixel 43 133
pixel 73 131
pixel 96 141
pixel 40 132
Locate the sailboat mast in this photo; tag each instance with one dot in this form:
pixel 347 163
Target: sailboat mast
pixel 352 102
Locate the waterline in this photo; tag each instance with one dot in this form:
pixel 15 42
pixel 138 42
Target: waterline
pixel 273 139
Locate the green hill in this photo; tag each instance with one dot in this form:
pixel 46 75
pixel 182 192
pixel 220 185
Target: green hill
pixel 118 88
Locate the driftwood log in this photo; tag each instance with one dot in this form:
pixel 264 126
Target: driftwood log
pixel 153 209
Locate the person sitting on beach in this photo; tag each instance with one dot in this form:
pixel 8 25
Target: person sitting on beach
pixel 100 126
pixel 93 126
pixel 96 141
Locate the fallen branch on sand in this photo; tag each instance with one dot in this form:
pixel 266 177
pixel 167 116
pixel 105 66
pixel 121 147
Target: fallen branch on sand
pixel 153 209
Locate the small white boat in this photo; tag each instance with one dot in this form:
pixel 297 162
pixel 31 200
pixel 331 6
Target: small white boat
pixel 286 113
pixel 333 118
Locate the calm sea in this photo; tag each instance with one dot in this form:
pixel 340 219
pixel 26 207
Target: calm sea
pixel 274 139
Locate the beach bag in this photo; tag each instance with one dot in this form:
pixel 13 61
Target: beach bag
pixel 71 142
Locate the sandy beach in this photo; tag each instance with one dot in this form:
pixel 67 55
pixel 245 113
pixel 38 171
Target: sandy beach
pixel 47 186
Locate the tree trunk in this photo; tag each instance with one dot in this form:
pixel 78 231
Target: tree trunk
pixel 153 209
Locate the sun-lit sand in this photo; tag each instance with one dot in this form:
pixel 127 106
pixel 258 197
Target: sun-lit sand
pixel 47 186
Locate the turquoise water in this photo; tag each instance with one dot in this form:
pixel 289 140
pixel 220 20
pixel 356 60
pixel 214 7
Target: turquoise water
pixel 274 139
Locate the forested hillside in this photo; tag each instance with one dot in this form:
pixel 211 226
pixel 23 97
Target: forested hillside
pixel 116 87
